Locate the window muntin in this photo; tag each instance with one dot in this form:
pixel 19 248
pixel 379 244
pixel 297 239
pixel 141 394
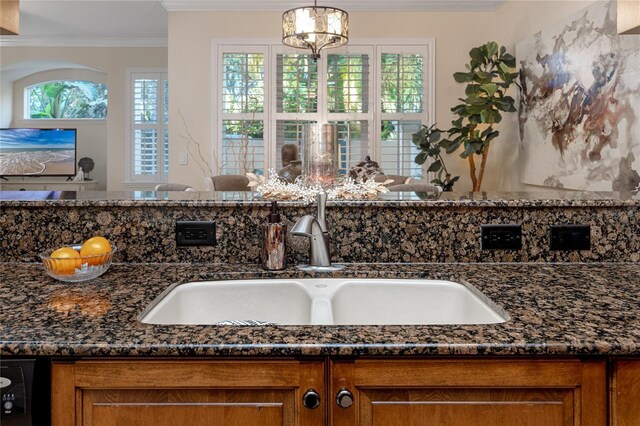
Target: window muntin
pixel 66 100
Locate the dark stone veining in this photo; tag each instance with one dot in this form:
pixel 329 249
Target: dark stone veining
pixel 555 309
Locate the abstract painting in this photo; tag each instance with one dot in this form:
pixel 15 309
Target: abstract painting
pixel 579 111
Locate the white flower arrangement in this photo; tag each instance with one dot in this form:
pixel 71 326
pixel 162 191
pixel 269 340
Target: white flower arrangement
pixel 345 188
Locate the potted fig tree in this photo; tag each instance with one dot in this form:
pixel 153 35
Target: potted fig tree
pixel 490 73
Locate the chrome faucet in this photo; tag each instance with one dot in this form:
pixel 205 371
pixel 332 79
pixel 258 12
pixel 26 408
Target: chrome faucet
pixel 315 228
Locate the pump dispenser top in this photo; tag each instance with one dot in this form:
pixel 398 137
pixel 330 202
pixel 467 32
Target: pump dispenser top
pixel 274 216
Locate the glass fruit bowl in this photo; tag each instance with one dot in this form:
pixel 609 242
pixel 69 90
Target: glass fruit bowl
pixel 75 270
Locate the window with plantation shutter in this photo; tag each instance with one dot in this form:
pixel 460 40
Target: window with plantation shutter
pixel 377 94
pixel 149 119
pixel 403 109
pixel 242 116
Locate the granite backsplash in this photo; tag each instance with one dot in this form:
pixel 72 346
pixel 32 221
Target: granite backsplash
pixel 400 232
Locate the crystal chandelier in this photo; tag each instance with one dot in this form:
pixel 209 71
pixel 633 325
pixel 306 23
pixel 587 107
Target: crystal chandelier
pixel 315 27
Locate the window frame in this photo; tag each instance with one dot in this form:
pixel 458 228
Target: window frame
pixel 131 75
pixel 272 47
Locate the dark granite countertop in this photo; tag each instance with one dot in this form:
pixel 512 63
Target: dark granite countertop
pixel 555 309
pixel 534 199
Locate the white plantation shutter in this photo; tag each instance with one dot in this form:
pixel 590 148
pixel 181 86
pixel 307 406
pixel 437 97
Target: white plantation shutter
pixel 402 88
pixel 242 147
pixel 243 82
pixel 296 100
pixel 348 83
pixel 353 138
pixel 149 143
pixel 397 152
pixel 348 79
pixel 289 132
pixel 402 83
pixel 296 83
pixel 242 117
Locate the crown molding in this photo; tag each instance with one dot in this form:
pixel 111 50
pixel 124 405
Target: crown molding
pixel 23 41
pixel 349 5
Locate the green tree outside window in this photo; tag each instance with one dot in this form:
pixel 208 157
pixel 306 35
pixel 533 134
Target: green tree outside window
pixel 67 99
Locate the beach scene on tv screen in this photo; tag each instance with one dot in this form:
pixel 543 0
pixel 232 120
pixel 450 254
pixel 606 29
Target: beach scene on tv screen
pixel 37 152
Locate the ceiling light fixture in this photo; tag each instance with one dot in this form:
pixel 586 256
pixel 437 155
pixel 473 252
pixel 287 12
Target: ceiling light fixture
pixel 315 27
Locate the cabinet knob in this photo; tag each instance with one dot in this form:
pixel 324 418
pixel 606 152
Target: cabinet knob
pixel 344 398
pixel 311 399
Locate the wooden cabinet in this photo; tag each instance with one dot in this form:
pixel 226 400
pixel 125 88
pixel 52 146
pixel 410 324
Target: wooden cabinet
pixel 470 392
pixel 383 391
pixel 625 393
pixel 101 393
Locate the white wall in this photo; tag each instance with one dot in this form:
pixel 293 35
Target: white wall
pixel 112 62
pixel 190 35
pixel 6 99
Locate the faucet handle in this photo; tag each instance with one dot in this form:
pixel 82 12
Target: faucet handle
pixel 322 204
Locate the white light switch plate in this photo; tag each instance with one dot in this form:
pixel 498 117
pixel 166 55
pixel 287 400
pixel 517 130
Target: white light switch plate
pixel 184 158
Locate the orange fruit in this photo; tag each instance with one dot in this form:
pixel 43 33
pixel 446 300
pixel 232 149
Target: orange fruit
pixel 64 261
pixel 95 246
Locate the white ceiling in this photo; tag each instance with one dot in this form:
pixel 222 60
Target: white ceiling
pixel 93 22
pixel 144 22
pixel 348 5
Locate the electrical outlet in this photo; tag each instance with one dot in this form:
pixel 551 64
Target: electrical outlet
pixel 570 237
pixel 501 237
pixel 195 233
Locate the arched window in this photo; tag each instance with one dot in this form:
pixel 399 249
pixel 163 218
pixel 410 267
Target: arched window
pixel 65 99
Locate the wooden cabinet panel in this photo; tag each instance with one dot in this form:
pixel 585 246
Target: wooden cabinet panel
pixel 100 393
pixel 470 393
pixel 625 393
pixel 170 408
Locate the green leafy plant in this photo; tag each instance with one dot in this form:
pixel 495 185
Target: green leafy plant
pixel 429 140
pixel 68 99
pixel 489 75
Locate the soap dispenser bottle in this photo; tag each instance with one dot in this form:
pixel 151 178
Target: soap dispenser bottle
pixel 274 245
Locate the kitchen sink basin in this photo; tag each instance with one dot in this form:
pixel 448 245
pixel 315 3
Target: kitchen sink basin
pixel 320 301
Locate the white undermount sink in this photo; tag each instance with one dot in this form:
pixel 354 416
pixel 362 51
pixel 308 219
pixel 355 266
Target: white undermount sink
pixel 320 301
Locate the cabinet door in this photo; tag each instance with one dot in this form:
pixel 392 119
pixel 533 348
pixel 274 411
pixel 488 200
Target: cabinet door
pixel 159 393
pixel 470 393
pixel 625 393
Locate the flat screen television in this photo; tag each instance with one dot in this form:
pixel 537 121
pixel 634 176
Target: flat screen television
pixel 37 152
